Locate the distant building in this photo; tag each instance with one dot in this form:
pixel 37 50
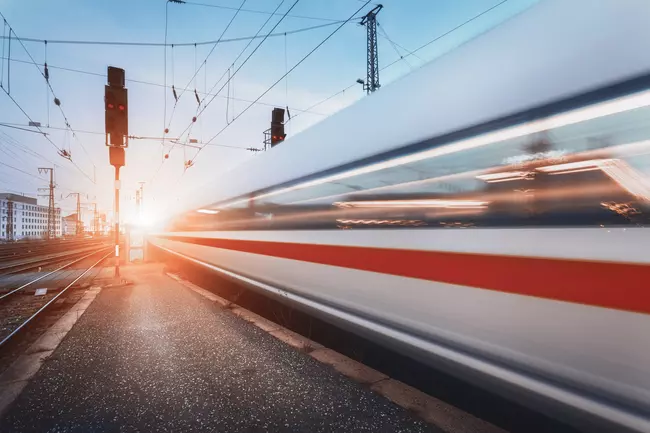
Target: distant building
pixel 70 225
pixel 29 218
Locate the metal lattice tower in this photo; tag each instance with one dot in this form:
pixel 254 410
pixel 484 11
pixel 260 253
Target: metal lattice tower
pixel 372 67
pixel 51 212
pixel 10 220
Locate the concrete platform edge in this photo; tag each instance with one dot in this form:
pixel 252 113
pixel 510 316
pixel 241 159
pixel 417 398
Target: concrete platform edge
pixel 434 411
pixel 17 376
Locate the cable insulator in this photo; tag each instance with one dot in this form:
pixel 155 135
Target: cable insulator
pixel 57 102
pixel 198 100
pixel 166 130
pixel 174 92
pixel 194 119
pixel 46 72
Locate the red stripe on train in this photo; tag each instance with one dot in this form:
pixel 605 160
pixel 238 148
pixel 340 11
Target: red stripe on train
pixel 619 286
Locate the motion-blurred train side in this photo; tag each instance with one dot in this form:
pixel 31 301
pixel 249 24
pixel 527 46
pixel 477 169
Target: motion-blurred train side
pixel 492 222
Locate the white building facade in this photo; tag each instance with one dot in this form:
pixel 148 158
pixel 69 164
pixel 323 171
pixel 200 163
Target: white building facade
pixel 70 225
pixel 29 218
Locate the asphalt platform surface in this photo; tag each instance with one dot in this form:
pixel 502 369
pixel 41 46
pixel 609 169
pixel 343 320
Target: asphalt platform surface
pixel 157 357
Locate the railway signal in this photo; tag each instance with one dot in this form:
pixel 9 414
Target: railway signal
pixel 116 109
pixel 117 138
pixel 277 126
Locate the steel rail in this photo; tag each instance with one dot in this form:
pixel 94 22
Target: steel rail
pixel 50 273
pixel 51 301
pixel 43 260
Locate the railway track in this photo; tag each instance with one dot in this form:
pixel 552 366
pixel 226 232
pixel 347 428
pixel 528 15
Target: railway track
pixel 42 259
pixel 22 250
pixel 17 312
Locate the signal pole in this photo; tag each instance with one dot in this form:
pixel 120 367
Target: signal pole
pixel 51 213
pixel 117 136
pixel 372 67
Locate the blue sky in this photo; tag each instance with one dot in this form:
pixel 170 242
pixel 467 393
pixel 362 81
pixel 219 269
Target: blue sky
pixel 336 65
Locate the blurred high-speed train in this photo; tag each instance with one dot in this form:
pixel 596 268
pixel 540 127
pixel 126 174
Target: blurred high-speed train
pixel 486 214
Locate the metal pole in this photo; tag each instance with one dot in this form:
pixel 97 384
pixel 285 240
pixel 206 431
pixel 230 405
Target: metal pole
pixel 79 229
pixel 95 220
pixel 51 226
pixel 50 213
pixel 117 221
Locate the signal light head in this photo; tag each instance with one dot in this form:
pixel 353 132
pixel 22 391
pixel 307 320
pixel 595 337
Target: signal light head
pixel 121 107
pixel 111 106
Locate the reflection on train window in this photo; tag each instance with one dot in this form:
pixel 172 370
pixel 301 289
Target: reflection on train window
pixel 588 167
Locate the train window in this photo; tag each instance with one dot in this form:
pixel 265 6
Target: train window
pixel 587 167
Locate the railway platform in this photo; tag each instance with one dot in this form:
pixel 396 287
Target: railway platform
pixel 158 356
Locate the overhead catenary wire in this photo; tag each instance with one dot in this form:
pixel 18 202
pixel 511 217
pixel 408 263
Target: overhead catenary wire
pixel 275 83
pixel 241 52
pixel 176 44
pixel 260 12
pixel 22 171
pixel 437 38
pixel 205 106
pixel 409 53
pixel 322 101
pixel 11 141
pixel 214 46
pixel 30 119
pixel 45 74
pixel 13 156
pixel 227 97
pixel 43 133
pixel 282 77
pixel 9 62
pixel 189 127
pixel 394 45
pixel 149 83
pixel 131 137
pixel 6 125
pixel 2 67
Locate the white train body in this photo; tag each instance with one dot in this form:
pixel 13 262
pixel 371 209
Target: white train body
pixel 491 223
